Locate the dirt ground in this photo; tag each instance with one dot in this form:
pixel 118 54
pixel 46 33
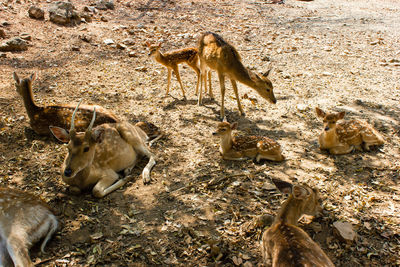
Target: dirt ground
pixel 199 209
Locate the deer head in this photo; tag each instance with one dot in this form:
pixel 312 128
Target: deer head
pixel 329 119
pixel 264 86
pixel 225 128
pixel 19 84
pixel 153 48
pixel 81 146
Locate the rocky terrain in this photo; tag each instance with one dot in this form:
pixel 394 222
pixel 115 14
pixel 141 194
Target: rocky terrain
pixel 200 210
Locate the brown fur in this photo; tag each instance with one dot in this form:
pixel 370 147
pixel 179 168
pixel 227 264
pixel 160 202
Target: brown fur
pixel 57 115
pixel 171 60
pixel 284 242
pixel 221 56
pixel 244 147
pixel 345 136
pixel 24 220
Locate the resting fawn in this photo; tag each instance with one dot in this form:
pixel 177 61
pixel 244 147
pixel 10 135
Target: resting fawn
pixel 221 56
pixel 171 60
pixel 245 147
pixel 96 156
pixel 284 242
pixel 58 115
pixel 343 137
pixel 24 220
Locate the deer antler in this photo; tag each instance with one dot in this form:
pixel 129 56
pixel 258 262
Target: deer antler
pixel 93 119
pixel 72 129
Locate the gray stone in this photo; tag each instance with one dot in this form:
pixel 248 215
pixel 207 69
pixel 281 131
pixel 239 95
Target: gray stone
pixel 109 41
pixel 63 13
pixel 104 4
pixel 36 13
pixel 128 41
pixel 13 45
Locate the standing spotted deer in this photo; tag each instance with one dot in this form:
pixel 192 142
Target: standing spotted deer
pixel 95 157
pixel 24 220
pixel 172 59
pixel 284 242
pixel 41 117
pixel 221 56
pixel 344 137
pixel 245 147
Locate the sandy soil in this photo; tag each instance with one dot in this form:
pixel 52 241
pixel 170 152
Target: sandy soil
pixel 198 210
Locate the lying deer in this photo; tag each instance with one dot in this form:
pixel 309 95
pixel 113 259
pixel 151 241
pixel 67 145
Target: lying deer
pixel 24 220
pixel 219 55
pixel 171 60
pixel 284 242
pixel 245 147
pixel 58 115
pixel 343 137
pixel 96 156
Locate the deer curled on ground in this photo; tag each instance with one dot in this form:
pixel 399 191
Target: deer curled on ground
pixel 57 115
pixel 245 147
pixel 24 220
pixel 217 54
pixel 172 59
pixel 344 137
pixel 95 157
pixel 284 242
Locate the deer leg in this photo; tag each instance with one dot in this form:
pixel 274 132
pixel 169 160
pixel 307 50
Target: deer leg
pixel 235 90
pixel 107 184
pixel 193 65
pixel 341 150
pixel 18 252
pixel 222 87
pixel 209 85
pixel 202 80
pixel 178 77
pixel 142 149
pixel 168 80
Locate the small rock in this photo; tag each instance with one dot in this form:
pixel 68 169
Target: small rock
pixel 141 69
pixel 87 17
pixel 26 36
pixel 89 9
pixel 121 46
pixel 63 13
pixel 36 12
pixel 75 48
pixel 394 60
pixel 128 41
pixel 86 38
pixel 266 58
pixel 374 43
pixel 14 44
pixel 5 23
pixel 104 5
pixel 3 55
pixel 108 41
pixel 344 231
pixel 325 73
pixel 104 19
pixel 2 33
pixel 132 54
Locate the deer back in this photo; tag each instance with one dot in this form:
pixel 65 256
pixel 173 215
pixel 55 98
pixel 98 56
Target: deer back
pixel 24 220
pixel 284 242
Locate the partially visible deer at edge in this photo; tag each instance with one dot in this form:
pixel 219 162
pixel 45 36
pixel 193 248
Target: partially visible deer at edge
pixel 345 136
pixel 245 147
pixel 24 220
pixel 286 244
pixel 221 56
pixel 57 115
pixel 95 157
pixel 172 59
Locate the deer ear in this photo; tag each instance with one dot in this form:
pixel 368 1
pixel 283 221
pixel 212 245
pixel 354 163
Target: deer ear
pixel 16 78
pixel 300 192
pixel 61 134
pixel 320 112
pixel 33 77
pixel 234 125
pixel 340 115
pixel 148 43
pixel 159 45
pixel 283 186
pixel 98 134
pixel 266 74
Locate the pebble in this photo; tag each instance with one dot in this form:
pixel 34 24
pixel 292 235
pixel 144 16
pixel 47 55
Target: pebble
pixel 109 41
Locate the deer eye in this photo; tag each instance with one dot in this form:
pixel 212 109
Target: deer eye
pixel 86 149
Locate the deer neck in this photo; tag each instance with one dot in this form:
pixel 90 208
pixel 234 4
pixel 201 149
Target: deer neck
pixel 159 57
pixel 290 212
pixel 245 76
pixel 329 138
pixel 226 143
pixel 27 95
